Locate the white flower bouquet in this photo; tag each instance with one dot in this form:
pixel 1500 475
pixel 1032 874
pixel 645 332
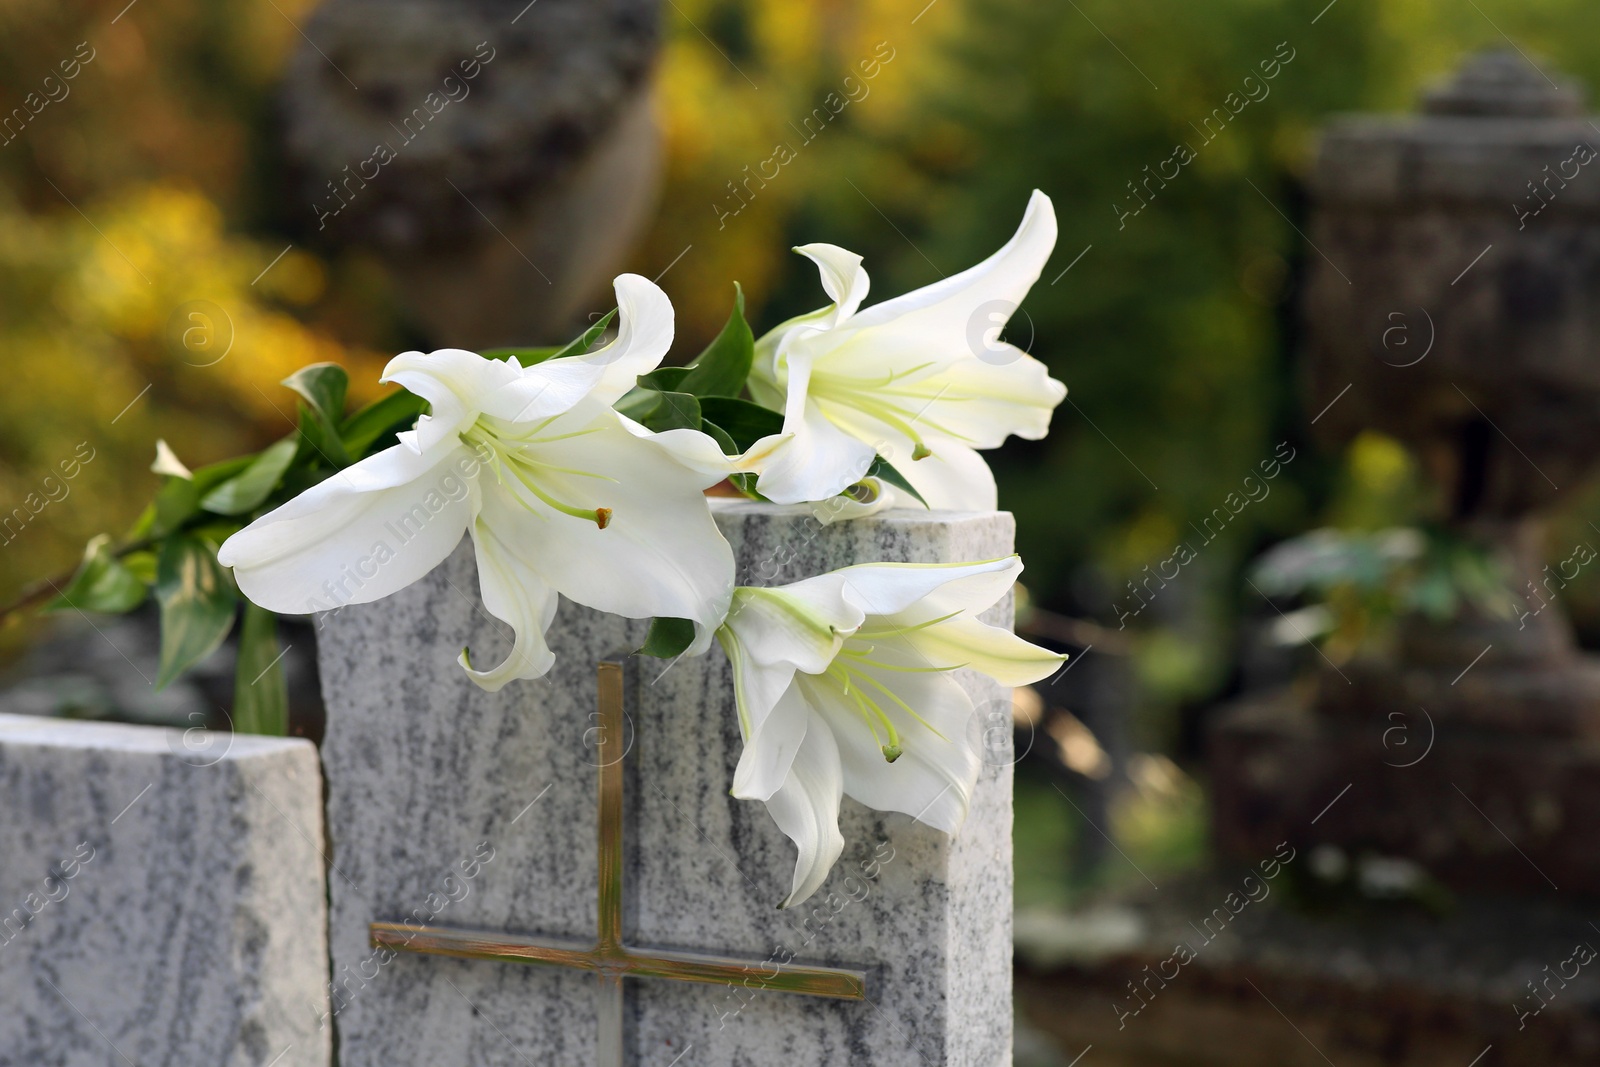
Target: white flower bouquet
pixel 581 471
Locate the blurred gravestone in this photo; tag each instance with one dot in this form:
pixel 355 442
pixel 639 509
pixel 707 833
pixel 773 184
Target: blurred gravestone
pixel 499 156
pixel 1454 275
pixel 1474 229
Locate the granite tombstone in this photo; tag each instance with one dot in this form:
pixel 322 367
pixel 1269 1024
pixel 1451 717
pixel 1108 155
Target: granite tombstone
pixel 474 815
pixel 163 897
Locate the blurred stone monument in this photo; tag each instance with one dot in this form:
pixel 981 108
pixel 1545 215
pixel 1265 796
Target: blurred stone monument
pixel 499 156
pixel 1475 229
pixel 1471 757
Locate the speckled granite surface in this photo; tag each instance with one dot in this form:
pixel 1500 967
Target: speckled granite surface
pixel 161 898
pixel 478 810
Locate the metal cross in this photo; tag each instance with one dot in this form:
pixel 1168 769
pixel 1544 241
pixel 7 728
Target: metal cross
pixel 609 958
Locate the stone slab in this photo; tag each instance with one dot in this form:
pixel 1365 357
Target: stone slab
pixel 1280 984
pixel 1553 701
pixel 162 898
pixel 468 809
pixel 1477 808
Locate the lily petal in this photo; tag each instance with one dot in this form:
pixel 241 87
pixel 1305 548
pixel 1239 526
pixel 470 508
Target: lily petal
pixel 994 651
pixel 845 283
pixel 818 461
pixel 801 623
pixel 512 591
pixel 806 809
pixel 644 334
pixel 769 752
pixel 933 778
pixel 892 588
pixel 949 476
pixel 970 589
pixel 660 552
pixel 952 478
pixel 943 309
pixel 168 463
pixel 798 625
pixel 370 530
pixel 842 278
pixel 700 452
pixel 757 687
pixel 866 497
pixel 965 402
pixel 980 403
pixel 453 381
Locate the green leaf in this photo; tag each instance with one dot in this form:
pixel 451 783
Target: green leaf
pixel 638 403
pixel 667 638
pixel 176 502
pixel 101 583
pixel 666 379
pixel 246 490
pixel 720 436
pixel 722 368
pixel 142 565
pixel 209 477
pixel 197 600
pixel 260 694
pixel 746 484
pixel 660 410
pixel 322 388
pixel 676 411
pixel 390 414
pixel 881 468
pixel 577 346
pixel 321 440
pixel 585 340
pixel 743 421
pixel 143 524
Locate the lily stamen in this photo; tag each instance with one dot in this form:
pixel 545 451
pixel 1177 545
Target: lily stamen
pixel 876 407
pixel 510 458
pixel 861 658
pixel 886 691
pixel 561 436
pixel 869 710
pixel 898 631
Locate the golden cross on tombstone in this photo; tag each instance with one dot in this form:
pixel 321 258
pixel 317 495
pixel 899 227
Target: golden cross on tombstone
pixel 609 958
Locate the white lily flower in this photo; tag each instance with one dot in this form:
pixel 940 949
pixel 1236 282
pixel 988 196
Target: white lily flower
pixel 843 687
pixel 867 497
pixel 921 378
pixel 560 493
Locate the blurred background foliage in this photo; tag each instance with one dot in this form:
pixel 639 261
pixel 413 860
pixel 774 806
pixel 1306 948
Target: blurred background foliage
pixel 1174 332
pixel 155 184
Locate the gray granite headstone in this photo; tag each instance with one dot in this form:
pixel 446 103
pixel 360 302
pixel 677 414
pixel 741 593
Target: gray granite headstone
pixel 162 898
pixel 455 807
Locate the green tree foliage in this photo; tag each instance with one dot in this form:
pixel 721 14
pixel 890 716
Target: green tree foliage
pixel 1175 331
